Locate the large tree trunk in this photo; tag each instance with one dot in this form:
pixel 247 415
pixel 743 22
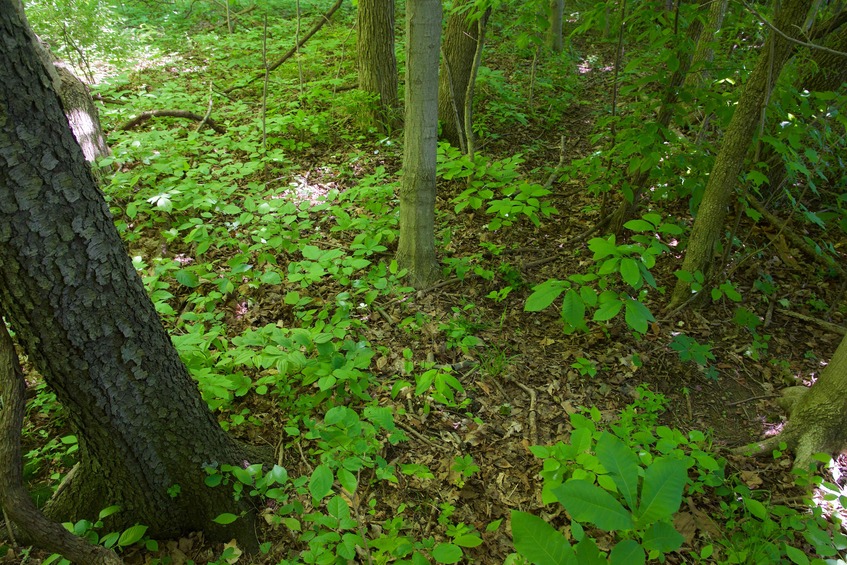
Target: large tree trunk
pixel 416 247
pixel 709 224
pixel 81 312
pixel 818 416
pixel 377 62
pixel 460 45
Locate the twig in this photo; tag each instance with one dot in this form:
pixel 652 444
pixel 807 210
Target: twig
pixel 417 435
pixel 559 165
pixel 751 399
pixel 208 110
pixel 533 426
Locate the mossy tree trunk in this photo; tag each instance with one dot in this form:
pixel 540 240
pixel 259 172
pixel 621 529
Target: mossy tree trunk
pixel 377 62
pixel 461 38
pixel 723 179
pixel 818 418
pixel 416 246
pixel 557 17
pixel 81 312
pixel 704 50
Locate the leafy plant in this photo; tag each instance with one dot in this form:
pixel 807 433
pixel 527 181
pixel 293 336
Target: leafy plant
pixel 689 349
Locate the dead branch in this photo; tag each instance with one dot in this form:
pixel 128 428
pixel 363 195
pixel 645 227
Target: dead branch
pixel 144 116
pixel 320 23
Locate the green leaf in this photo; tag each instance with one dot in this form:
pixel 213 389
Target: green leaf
pixel 187 278
pixel 132 535
pixel 539 542
pixel 796 556
pixel 639 225
pixel 544 294
pixel 607 310
pixel 661 536
pixel 320 484
pixel 586 502
pixel 225 518
pixel 468 540
pixel 106 512
pixel 622 464
pixel 630 272
pixel 447 553
pixel 347 480
pixel 627 552
pixel 756 508
pixel 661 494
pixel 573 309
pixel 637 315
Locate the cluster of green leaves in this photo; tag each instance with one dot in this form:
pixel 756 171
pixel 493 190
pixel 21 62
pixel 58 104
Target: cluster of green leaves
pixel 117 541
pixel 630 479
pixel 487 179
pixel 689 349
pixel 614 263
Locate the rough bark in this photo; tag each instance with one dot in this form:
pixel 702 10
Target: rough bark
pixel 377 62
pixel 557 13
pixel 818 417
pixel 416 246
pixel 460 45
pixel 709 223
pixel 81 312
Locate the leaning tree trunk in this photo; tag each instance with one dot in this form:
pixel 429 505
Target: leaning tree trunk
pixel 709 224
pixel 461 38
pixel 377 62
pixel 81 312
pixel 818 416
pixel 416 246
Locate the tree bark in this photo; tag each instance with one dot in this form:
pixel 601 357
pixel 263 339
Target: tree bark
pixel 377 62
pixel 818 418
pixel 460 44
pixel 416 246
pixel 81 312
pixel 709 223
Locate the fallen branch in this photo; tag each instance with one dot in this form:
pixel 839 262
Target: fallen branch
pixel 834 328
pixel 533 412
pixel 324 19
pixel 144 116
pixel 17 505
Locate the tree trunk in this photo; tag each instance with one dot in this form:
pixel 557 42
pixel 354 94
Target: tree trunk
pixel 416 247
pixel 709 223
pixel 818 418
pixel 377 62
pixel 81 312
pixel 557 13
pixel 460 44
pixel 704 51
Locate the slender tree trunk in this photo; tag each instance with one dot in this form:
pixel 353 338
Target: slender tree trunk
pixel 704 51
pixel 377 62
pixel 81 312
pixel 460 45
pixel 416 247
pixel 818 415
pixel 709 224
pixel 557 16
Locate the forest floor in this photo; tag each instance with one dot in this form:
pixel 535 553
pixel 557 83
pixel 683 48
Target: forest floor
pixel 525 377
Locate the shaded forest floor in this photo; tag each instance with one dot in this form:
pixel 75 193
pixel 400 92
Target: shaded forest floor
pixel 522 377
